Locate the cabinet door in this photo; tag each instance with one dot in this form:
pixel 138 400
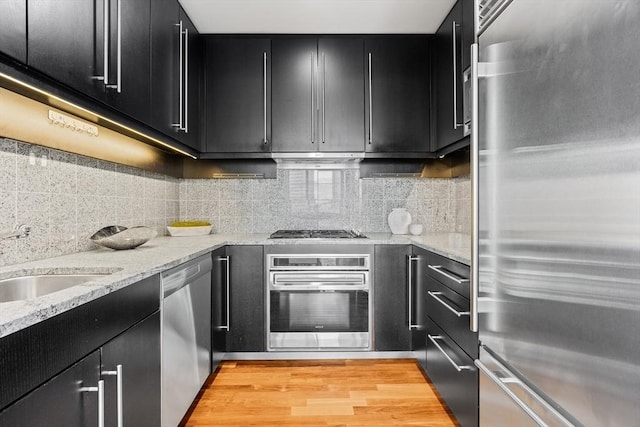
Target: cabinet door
pixel 247 319
pixel 238 73
pixel 341 96
pixel 448 80
pixel 417 285
pixel 60 401
pixel 397 106
pixel 137 351
pixel 65 41
pixel 219 306
pixel 133 96
pixel 294 95
pixel 391 300
pixel 468 31
pixel 193 85
pixel 13 29
pixel 165 65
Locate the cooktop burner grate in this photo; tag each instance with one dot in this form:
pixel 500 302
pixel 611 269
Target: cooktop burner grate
pixel 316 234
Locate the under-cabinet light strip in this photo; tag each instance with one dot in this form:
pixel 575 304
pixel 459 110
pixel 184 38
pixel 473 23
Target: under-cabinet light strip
pixel 64 101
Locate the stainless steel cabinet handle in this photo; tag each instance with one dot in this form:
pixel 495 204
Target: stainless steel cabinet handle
pixel 180 124
pixel 186 80
pixel 264 95
pixel 118 374
pixel 227 261
pixel 105 45
pixel 324 84
pixel 435 295
pixel 410 260
pixel 100 391
pixel 475 182
pixel 370 102
pixel 450 276
pixel 312 105
pixel 434 339
pixel 454 26
pixel 118 85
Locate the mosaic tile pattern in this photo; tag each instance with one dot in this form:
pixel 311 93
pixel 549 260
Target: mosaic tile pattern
pixel 65 198
pixel 324 199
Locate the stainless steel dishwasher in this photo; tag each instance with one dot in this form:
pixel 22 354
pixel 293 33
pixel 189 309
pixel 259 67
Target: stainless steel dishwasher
pixel 186 336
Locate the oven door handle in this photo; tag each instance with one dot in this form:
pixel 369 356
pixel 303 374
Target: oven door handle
pixel 315 279
pixel 318 287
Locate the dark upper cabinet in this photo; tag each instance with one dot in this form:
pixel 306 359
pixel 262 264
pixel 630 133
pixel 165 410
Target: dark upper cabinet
pixel 130 86
pixel 137 352
pixel 175 71
pixel 341 94
pixel 317 94
pixel 192 64
pixel 397 94
pixel 13 29
pixel 294 99
pixel 451 56
pixel 66 41
pixel 238 95
pixel 392 310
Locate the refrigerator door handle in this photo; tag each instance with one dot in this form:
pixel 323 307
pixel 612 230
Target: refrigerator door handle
pixel 502 377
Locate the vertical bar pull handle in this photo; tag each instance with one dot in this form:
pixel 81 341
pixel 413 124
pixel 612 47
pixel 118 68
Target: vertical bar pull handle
pixel 410 288
pixel 312 105
pixel 264 96
pixel 324 84
pixel 227 261
pixel 475 182
pixel 186 81
pixel 100 391
pixel 118 85
pixel 180 124
pixel 454 26
pixel 120 403
pixel 370 101
pixel 105 45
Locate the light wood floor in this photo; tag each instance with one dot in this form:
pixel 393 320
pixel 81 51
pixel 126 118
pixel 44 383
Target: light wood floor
pixel 307 393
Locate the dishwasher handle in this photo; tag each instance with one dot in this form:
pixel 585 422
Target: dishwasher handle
pixel 184 274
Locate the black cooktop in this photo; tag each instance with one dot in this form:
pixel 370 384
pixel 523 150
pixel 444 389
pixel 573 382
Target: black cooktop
pixel 317 234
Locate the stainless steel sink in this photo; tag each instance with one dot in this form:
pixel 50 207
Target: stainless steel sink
pixel 27 287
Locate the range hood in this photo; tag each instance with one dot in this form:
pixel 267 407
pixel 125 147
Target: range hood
pixel 318 160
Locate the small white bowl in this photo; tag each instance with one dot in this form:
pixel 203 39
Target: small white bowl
pixel 415 229
pixel 190 231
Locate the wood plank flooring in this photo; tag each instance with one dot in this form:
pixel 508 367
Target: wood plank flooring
pixel 309 393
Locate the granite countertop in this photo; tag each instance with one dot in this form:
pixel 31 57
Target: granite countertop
pixel 123 268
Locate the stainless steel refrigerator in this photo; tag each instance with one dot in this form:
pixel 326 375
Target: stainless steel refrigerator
pixel 556 184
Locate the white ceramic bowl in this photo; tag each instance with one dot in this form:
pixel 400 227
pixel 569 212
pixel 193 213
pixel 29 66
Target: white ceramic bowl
pixel 190 231
pixel 415 229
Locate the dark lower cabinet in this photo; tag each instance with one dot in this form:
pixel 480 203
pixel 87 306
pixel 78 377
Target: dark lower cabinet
pixel 13 29
pixel 60 401
pixel 238 300
pixel 397 94
pixel 137 353
pixel 451 345
pixel 71 397
pixel 238 95
pixel 453 374
pixel 391 298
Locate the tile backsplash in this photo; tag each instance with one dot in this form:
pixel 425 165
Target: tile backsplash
pixel 65 198
pixel 325 199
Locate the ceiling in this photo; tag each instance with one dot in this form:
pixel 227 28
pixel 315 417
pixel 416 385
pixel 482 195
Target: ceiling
pixel 317 16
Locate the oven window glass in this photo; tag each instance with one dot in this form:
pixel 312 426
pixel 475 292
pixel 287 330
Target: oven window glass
pixel 322 261
pixel 313 311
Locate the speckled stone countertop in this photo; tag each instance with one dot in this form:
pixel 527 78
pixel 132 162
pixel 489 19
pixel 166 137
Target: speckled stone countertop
pixel 123 268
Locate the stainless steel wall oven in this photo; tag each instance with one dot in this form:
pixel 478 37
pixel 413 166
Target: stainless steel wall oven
pixel 318 301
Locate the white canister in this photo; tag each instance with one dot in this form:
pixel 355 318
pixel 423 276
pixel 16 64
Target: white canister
pixel 399 220
pixel 415 229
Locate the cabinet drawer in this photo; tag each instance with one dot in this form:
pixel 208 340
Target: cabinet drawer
pixel 453 274
pixel 450 311
pixel 457 385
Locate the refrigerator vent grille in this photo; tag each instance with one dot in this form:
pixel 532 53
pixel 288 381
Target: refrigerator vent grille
pixel 488 11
